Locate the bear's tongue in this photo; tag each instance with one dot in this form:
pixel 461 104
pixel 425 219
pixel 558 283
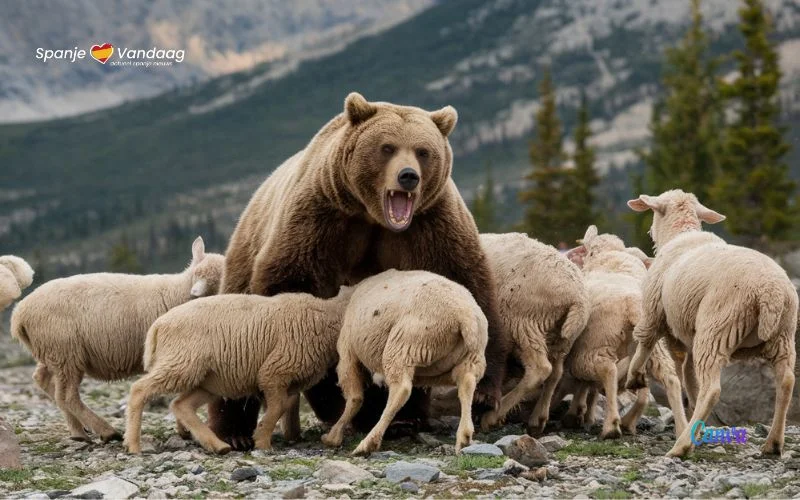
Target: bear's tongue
pixel 399 206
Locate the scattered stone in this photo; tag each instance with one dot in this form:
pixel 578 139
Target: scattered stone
pixel 718 449
pixel 339 471
pixel 402 471
pixel 428 439
pixel 483 449
pixel 197 469
pixel 9 447
pixel 293 491
pixel 760 430
pixel 447 450
pixel 183 456
pixel 528 451
pixel 538 475
pixel 735 493
pixel 505 441
pixel 679 490
pixel 514 468
pixel 57 493
pixel 553 442
pixel 244 474
pixel 110 487
pixel 409 487
pixel 337 488
pixel 176 443
pixel 37 496
pixel 384 455
pixel 490 474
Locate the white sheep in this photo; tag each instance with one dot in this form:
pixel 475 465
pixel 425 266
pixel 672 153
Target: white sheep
pixel 95 324
pixel 15 276
pixel 544 306
pixel 721 302
pixel 231 346
pixel 411 328
pixel 599 356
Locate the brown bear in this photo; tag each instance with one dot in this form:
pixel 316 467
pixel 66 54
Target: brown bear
pixel 341 210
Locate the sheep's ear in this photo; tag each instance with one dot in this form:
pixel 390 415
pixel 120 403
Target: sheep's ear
pixel 198 250
pixel 705 214
pixel 591 233
pixel 358 109
pixel 645 202
pixel 576 255
pixel 445 119
pixel 648 261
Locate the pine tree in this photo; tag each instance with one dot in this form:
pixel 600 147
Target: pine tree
pixel 584 177
pixel 123 258
pixel 544 217
pixel 484 206
pixel 686 121
pixel 753 187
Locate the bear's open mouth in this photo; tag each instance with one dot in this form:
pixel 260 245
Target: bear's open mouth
pixel 398 208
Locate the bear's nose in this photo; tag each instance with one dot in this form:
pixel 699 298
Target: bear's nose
pixel 408 178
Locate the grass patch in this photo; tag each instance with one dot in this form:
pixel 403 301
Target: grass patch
pixel 282 473
pixel 709 456
pixel 598 449
pixel 604 493
pixel 46 447
pixel 222 487
pixel 15 476
pixel 473 462
pixel 753 490
pixel 631 476
pixel 54 483
pixel 652 411
pixel 306 462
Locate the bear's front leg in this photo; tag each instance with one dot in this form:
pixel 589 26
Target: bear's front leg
pixel 234 420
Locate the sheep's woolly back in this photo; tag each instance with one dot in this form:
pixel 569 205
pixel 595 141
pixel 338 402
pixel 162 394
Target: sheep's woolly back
pixel 225 343
pixel 413 315
pixel 535 282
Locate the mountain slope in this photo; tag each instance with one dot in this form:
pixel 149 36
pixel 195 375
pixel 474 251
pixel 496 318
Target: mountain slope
pixel 87 175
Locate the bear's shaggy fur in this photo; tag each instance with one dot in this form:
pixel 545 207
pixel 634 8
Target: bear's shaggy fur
pixel 339 211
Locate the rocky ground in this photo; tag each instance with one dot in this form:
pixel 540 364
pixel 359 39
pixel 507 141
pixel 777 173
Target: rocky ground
pixel 564 464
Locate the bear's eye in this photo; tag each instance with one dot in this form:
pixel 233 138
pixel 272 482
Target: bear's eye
pixel 422 153
pixel 388 149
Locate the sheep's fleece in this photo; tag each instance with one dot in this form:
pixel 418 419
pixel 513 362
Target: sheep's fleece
pixel 15 276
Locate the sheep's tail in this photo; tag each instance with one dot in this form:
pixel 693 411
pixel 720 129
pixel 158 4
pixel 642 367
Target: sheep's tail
pixel 150 344
pixel 18 330
pixel 576 319
pixel 771 305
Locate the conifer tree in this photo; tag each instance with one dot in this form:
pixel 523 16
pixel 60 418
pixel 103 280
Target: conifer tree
pixel 123 258
pixel 753 187
pixel 484 206
pixel 584 177
pixel 544 217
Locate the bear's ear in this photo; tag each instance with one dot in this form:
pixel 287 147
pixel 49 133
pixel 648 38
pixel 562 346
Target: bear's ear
pixel 445 119
pixel 358 109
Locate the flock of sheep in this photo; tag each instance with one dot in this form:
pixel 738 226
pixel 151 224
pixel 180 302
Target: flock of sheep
pixel 600 317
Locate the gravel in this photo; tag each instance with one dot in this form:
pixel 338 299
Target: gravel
pixel 574 464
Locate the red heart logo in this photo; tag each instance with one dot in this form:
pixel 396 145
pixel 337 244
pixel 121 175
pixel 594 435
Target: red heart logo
pixel 102 53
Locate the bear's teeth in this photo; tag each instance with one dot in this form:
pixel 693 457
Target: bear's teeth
pixel 409 194
pixel 391 193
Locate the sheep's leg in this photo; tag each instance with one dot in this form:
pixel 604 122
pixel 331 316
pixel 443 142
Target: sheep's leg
pixel 277 399
pixel 185 406
pixel 352 383
pixel 646 333
pixel 664 370
pixel 784 385
pixel 141 391
pixel 690 380
pixel 541 412
pixel 68 399
pixel 708 367
pixel 466 378
pixel 591 407
pixel 537 369
pixel 607 373
pixel 635 412
pixel 44 379
pixel 400 385
pixel 290 424
pixel 576 415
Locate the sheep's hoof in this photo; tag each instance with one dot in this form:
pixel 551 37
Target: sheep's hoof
pixel 613 433
pixel 629 429
pixel 133 449
pixel 364 449
pixel 333 442
pixel 679 451
pixel 223 450
pixel 116 436
pixel 772 448
pixel 536 429
pixel 82 439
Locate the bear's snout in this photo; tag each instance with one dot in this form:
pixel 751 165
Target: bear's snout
pixel 408 178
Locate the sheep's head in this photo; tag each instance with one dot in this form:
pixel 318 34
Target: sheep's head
pixel 674 212
pixel 594 244
pixel 206 270
pixel 21 270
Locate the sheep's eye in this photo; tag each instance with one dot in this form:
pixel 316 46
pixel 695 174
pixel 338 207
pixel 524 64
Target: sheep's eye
pixel 423 153
pixel 388 149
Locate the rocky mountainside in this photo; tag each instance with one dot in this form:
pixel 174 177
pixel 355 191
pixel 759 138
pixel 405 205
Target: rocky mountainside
pixel 218 37
pixel 70 186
